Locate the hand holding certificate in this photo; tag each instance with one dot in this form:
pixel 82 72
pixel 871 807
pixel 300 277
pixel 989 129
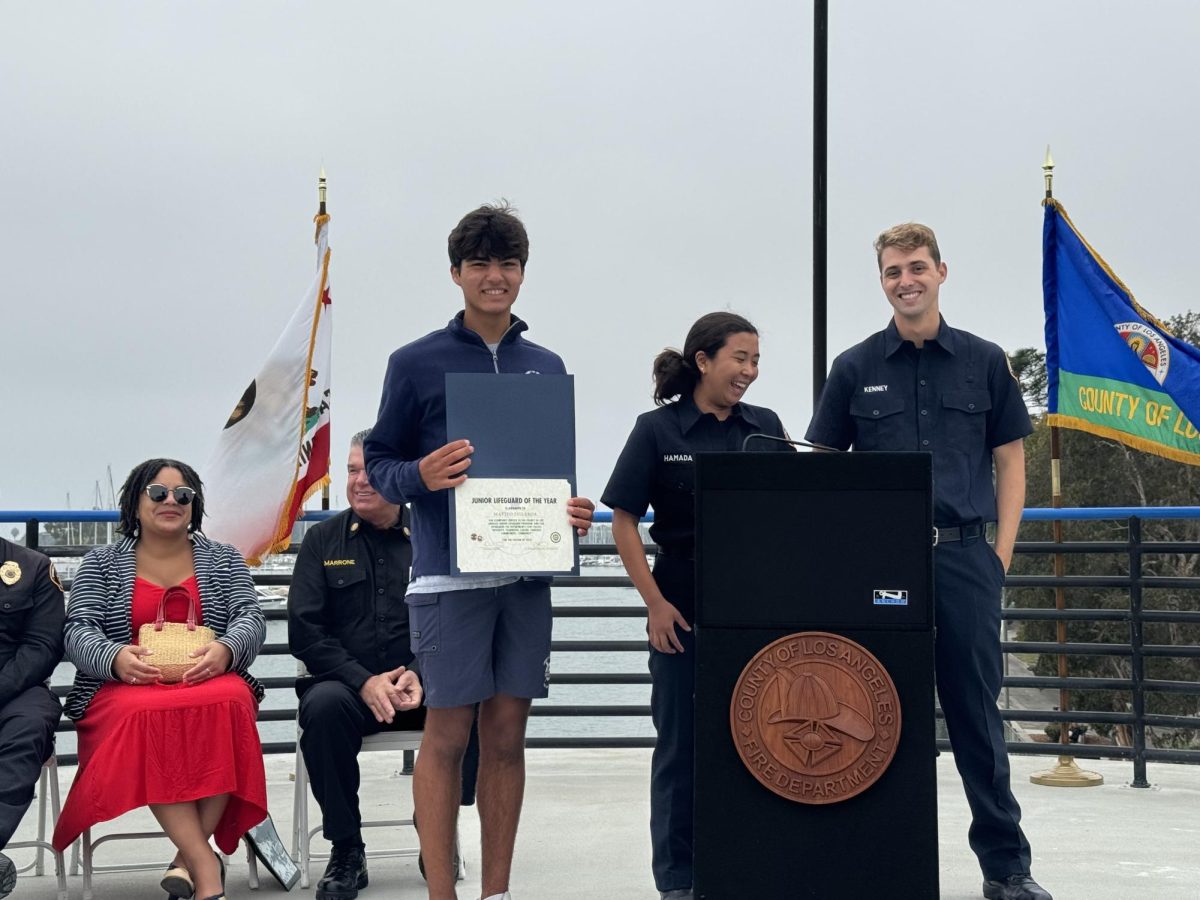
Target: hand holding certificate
pixel 511 515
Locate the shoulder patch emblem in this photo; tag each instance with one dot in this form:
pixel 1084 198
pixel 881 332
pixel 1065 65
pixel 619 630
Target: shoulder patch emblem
pixel 53 573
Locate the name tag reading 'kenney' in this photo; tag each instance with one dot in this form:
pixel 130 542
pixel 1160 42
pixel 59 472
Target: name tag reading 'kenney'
pixel 513 525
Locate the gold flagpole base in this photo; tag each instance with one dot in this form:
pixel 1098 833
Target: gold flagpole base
pixel 1067 774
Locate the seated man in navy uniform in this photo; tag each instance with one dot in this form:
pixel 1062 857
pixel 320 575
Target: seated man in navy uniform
pixel 920 385
pixel 31 644
pixel 348 624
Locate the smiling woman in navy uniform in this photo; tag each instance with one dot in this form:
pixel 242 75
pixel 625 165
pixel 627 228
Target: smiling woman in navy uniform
pixel 706 384
pixel 920 385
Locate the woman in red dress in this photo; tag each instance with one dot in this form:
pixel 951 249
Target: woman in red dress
pixel 189 750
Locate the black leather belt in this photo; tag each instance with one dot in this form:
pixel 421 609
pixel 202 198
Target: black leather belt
pixel 946 534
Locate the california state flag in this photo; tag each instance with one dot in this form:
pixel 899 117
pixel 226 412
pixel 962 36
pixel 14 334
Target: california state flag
pixel 273 453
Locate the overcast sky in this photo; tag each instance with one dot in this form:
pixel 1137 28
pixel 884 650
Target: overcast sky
pixel 159 163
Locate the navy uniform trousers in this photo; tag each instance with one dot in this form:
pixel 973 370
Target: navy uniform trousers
pixel 334 720
pixel 27 724
pixel 968 581
pixel 672 765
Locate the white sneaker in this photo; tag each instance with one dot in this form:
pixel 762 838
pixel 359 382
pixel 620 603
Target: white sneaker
pixel 505 896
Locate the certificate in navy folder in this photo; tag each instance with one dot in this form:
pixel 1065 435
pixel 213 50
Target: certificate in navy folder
pixel 509 517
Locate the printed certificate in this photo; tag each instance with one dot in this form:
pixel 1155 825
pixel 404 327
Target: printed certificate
pixel 516 525
pixel 510 516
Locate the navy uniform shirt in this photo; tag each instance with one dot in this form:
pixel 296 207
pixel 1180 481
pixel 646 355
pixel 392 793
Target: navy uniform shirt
pixel 657 466
pixel 955 397
pixel 347 619
pixel 32 613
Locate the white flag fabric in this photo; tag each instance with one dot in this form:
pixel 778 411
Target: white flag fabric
pixel 273 453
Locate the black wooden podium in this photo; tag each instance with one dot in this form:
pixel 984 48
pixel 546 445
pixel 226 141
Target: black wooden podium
pixel 838 543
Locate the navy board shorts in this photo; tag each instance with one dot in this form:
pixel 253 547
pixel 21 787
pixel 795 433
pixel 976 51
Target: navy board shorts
pixel 473 644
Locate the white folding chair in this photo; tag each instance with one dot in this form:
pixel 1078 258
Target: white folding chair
pixel 302 834
pixel 82 852
pixel 48 777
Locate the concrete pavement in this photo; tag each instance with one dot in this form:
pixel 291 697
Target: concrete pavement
pixel 584 834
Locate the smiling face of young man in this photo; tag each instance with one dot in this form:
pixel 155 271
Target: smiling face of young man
pixel 490 288
pixel 911 281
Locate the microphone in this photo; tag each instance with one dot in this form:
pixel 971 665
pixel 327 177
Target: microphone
pixel 771 437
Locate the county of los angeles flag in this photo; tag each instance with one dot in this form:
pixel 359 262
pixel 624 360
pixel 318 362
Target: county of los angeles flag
pixel 1113 368
pixel 273 453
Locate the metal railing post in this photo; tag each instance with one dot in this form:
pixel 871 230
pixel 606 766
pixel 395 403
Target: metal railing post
pixel 31 534
pixel 1137 660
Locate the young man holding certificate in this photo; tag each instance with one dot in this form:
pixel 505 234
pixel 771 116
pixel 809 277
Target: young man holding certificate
pixel 479 639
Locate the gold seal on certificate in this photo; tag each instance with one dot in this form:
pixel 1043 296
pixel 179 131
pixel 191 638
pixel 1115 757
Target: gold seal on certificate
pixel 516 525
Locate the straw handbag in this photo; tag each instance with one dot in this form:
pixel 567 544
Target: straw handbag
pixel 173 641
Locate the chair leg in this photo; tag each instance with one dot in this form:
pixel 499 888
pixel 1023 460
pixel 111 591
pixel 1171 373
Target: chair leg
pixel 60 862
pixel 301 838
pixel 460 873
pixel 296 797
pixel 251 865
pixel 87 864
pixel 40 865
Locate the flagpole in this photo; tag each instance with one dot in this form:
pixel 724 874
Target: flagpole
pixel 321 185
pixel 1067 773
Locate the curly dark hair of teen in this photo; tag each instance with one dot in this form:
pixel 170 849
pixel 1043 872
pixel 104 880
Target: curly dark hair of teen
pixel 491 232
pixel 144 474
pixel 675 373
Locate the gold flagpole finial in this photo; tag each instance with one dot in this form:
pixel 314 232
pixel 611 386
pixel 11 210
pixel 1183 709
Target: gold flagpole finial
pixel 1048 171
pixel 321 192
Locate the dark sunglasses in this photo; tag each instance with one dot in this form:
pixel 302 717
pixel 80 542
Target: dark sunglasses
pixel 158 493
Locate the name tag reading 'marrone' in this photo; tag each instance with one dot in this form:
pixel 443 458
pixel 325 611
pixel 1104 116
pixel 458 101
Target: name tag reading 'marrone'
pixel 513 525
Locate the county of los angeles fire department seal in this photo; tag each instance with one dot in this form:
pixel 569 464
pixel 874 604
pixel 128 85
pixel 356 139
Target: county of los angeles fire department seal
pixel 815 717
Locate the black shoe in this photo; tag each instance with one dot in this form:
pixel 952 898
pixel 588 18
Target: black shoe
pixel 1015 887
pixel 345 875
pixel 8 875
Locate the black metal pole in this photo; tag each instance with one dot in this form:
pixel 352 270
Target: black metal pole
pixel 1137 660
pixel 820 218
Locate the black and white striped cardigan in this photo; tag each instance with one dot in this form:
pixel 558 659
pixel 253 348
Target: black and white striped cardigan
pixel 99 623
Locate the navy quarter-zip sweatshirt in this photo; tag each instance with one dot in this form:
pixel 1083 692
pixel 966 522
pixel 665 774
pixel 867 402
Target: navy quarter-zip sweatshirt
pixel 412 422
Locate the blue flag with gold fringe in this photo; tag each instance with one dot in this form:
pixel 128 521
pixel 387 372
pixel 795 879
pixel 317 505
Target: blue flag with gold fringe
pixel 1113 368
